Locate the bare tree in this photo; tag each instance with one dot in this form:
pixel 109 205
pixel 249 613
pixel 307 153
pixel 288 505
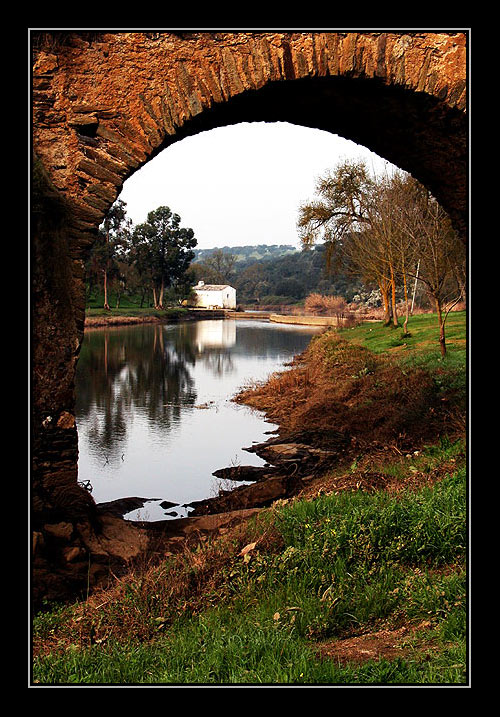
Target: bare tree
pixel 441 256
pixel 219 266
pixel 341 207
pixel 400 245
pixel 353 217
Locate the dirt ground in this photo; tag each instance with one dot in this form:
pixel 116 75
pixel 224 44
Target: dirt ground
pixel 379 645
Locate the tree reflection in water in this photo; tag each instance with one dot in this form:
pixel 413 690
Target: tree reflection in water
pixel 122 371
pixel 138 389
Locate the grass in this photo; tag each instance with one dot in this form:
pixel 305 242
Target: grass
pixel 321 570
pixel 423 335
pixel 129 306
pixel 136 311
pixel 321 577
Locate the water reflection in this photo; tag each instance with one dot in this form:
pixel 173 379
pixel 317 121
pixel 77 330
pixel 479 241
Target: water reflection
pixel 134 370
pixel 153 404
pixel 214 335
pixel 213 339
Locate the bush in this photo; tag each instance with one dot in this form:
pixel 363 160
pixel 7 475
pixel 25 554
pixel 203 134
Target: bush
pixel 320 305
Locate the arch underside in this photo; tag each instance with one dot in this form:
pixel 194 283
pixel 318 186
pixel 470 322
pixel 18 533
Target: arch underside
pixel 412 130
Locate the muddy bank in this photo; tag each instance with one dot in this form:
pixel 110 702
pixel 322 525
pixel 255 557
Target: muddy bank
pixel 337 403
pixel 292 461
pixel 173 317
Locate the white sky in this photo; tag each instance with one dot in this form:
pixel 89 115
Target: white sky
pixel 240 184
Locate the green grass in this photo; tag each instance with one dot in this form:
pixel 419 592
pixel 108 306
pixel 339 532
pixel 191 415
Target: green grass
pixel 345 564
pixel 129 306
pixel 137 311
pixel 227 647
pixel 423 335
pixel 96 301
pixel 420 350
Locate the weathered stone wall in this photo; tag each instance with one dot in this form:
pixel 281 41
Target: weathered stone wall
pixel 106 103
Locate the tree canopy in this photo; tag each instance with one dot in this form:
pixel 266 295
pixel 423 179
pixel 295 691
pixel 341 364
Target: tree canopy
pixel 163 249
pixel 152 256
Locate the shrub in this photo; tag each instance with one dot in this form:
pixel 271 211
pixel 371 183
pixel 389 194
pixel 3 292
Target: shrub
pixel 321 305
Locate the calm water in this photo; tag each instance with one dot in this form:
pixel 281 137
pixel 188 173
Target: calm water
pixel 154 410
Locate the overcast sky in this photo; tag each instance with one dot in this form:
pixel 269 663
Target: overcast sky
pixel 240 184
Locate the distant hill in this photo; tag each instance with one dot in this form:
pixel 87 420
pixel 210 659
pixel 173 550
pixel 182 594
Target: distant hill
pixel 279 274
pixel 250 253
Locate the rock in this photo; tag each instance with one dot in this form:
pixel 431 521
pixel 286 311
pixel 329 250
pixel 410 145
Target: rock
pixel 120 506
pixel 45 62
pixel 211 523
pixel 37 541
pixel 66 420
pixel 61 531
pixel 244 473
pixel 255 495
pixel 167 504
pixel 118 539
pixel 73 553
pixel 81 121
pixel 280 453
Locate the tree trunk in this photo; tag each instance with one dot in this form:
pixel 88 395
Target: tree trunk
pixel 442 337
pixel 415 288
pixel 161 295
pixel 387 307
pixel 407 306
pixel 106 305
pixel 393 298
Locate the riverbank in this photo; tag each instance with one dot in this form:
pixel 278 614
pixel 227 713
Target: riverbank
pixel 354 574
pixel 303 320
pixel 341 403
pixel 98 318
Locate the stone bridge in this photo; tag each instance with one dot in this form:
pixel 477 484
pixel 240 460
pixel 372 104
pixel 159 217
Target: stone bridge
pixel 104 104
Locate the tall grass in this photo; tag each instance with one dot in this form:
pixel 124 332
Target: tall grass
pixel 343 565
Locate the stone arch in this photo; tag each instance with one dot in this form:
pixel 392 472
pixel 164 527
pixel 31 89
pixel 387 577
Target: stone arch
pixel 105 103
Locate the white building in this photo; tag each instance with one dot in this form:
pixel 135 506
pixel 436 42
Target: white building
pixel 215 296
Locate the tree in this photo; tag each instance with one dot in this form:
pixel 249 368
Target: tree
pixel 218 268
pixel 365 257
pixel 111 244
pixel 341 208
pixel 441 256
pixel 350 216
pixel 162 250
pixel 382 228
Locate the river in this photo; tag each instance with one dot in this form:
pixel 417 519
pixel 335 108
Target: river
pixel 154 412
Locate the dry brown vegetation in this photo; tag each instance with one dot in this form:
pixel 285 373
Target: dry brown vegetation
pixel 321 305
pixel 338 386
